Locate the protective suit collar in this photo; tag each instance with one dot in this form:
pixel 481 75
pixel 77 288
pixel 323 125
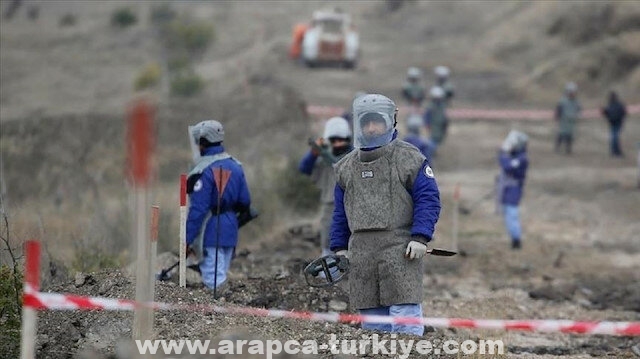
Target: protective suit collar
pixel 213 150
pixel 373 154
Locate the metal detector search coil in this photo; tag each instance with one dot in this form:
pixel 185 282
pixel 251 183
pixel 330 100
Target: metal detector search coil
pixel 326 271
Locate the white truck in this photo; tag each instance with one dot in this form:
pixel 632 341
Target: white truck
pixel 331 39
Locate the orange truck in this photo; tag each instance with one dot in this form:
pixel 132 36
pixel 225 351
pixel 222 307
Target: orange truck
pixel 330 38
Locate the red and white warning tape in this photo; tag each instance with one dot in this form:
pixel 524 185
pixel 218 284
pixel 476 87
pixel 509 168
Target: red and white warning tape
pixel 479 114
pixel 56 301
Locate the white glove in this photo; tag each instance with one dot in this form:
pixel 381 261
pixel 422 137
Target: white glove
pixel 343 252
pixel 415 250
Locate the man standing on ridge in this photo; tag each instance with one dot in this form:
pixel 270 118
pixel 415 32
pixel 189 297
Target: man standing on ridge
pixel 567 114
pixel 615 112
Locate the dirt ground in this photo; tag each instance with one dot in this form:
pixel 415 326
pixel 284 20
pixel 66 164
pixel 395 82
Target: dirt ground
pixel 63 87
pixel 579 261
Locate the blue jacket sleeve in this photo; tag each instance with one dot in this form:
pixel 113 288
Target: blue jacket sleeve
pixel 199 205
pixel 340 231
pixel 426 203
pixel 515 166
pixel 307 163
pixel 244 198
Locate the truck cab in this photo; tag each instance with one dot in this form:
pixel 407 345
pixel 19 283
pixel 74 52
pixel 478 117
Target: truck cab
pixel 330 39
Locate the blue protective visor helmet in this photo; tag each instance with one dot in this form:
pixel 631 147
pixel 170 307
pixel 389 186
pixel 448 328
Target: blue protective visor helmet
pixel 374 121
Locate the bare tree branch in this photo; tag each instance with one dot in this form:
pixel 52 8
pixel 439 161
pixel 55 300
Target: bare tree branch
pixel 6 239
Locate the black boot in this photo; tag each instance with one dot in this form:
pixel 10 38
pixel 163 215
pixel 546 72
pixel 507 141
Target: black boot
pixel 516 244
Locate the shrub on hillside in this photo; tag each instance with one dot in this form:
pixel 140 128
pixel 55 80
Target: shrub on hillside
pixel 179 63
pixel 91 257
pixel 10 311
pixel 162 14
pixel 123 17
pixel 67 19
pixel 194 37
pixel 186 84
pixel 149 77
pixel 296 190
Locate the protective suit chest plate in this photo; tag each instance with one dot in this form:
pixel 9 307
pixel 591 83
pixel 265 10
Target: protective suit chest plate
pixel 368 196
pixel 375 189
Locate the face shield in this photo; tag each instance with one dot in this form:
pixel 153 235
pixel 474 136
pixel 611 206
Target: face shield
pixel 373 129
pixel 194 138
pixel 373 121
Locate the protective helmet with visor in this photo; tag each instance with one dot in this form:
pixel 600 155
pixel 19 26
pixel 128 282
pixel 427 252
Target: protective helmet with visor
pixel 515 141
pixel 442 71
pixel 374 121
pixel 210 130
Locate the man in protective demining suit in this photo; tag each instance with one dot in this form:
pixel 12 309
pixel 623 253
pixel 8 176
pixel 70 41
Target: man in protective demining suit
pixel 218 200
pixel 387 204
pixel 318 163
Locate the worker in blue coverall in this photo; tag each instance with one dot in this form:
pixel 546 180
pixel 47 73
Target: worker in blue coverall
pixel 413 89
pixel 203 203
pixel 513 162
pixel 387 204
pixel 414 137
pixel 436 119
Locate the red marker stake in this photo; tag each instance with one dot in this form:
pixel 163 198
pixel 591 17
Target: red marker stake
pixel 31 285
pixel 140 139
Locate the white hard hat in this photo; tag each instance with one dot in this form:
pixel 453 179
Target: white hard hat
pixel 571 87
pixel 436 92
pixel 210 130
pixel 414 73
pixel 337 127
pixel 515 140
pixel 442 71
